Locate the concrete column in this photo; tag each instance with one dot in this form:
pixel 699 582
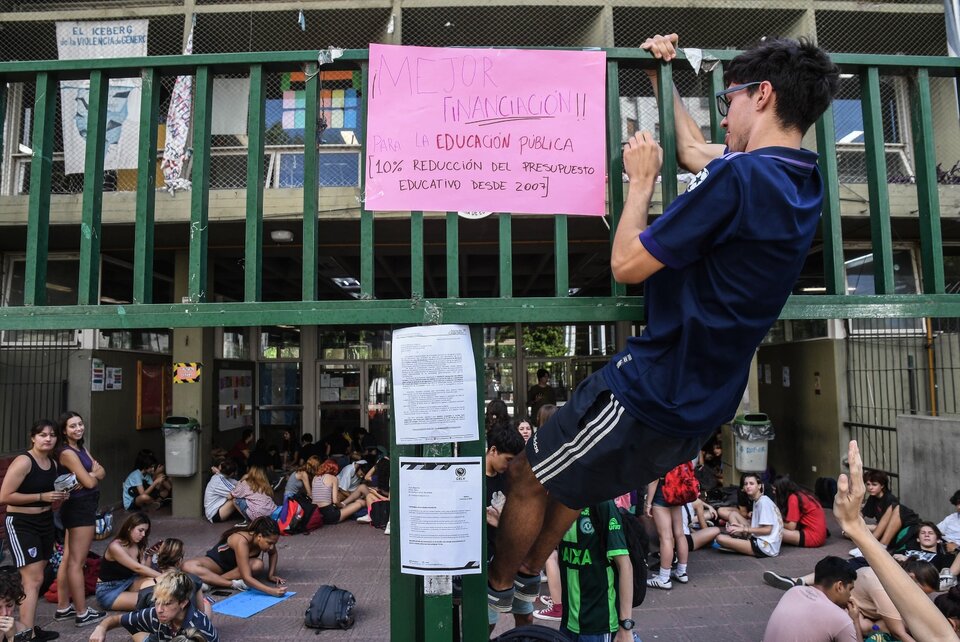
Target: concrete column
pixel 192 399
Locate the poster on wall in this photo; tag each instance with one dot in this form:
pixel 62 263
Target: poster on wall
pixel 101 39
pixel 114 380
pixel 98 375
pixel 154 401
pixel 235 399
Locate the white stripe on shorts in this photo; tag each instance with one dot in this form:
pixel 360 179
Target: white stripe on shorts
pixel 605 421
pixel 14 542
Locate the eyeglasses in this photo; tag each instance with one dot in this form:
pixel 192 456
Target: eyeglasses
pixel 723 103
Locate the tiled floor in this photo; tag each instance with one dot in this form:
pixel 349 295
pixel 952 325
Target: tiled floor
pixel 725 599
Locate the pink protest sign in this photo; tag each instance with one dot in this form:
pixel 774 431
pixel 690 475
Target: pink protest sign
pixel 498 130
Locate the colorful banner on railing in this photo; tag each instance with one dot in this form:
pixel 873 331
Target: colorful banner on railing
pixel 101 39
pixel 499 130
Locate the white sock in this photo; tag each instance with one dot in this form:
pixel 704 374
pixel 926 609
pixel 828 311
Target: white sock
pixel 681 569
pixel 665 574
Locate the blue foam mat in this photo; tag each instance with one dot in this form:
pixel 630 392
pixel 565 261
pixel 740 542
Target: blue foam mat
pixel 247 603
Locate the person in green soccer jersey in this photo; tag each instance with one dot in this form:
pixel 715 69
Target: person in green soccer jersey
pixel 596 578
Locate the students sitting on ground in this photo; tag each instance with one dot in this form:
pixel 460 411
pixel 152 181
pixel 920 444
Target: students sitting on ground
pixel 125 566
pixel 325 490
pixel 377 482
pixel 146 486
pixel 307 449
pixel 929 548
pixel 351 478
pixel 597 577
pixel 169 557
pixel 821 612
pixel 172 613
pixel 950 526
pixel 699 518
pixel 240 451
pixel 762 535
pixel 235 558
pixel 896 525
pixel 217 496
pixel 301 480
pixel 503 444
pixel 804 523
pixel 253 495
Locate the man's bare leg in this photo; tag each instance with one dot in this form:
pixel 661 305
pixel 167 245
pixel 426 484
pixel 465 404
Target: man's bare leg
pixel 520 523
pixel 556 522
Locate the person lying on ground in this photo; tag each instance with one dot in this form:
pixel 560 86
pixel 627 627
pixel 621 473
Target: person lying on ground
pixel 235 558
pixel 763 534
pixel 804 523
pixel 171 613
pixel 125 565
pixel 928 547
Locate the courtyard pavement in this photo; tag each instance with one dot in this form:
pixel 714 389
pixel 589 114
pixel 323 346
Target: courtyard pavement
pixel 725 599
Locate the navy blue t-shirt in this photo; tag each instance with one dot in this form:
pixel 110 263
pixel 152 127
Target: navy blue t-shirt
pixel 733 246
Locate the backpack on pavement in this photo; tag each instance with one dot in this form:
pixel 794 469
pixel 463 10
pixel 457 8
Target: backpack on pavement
pixel 330 608
pixel 380 514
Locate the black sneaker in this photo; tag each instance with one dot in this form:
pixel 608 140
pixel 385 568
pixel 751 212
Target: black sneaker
pixel 92 616
pixel 781 582
pixel 65 614
pixel 40 635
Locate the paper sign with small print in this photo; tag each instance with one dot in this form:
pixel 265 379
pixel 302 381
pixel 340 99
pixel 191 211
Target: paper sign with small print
pixel 486 130
pixel 187 372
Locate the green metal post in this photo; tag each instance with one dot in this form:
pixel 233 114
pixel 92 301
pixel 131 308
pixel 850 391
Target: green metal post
pixel 38 204
pixel 506 255
pixel 474 609
pixel 668 134
pixel 310 184
pixel 830 221
pixel 253 248
pixel 877 181
pixel 928 195
pixel 561 260
pixel 88 291
pixel 416 255
pixel 200 191
pixel 437 590
pixel 146 187
pixel 3 114
pixel 716 84
pixel 614 160
pixel 366 216
pixel 453 255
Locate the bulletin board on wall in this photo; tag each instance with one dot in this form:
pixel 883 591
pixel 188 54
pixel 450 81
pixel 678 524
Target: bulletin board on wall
pixel 234 395
pixel 154 394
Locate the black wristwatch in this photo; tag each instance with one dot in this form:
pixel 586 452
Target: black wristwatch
pixel 627 624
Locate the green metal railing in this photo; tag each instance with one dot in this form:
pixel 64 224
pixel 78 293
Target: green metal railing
pixel 45 75
pixel 418 614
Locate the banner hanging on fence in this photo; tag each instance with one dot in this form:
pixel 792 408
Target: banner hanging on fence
pixel 99 39
pixel 499 130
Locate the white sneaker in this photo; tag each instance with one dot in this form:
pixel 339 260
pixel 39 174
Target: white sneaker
pixel 238 585
pixel 947 580
pixel 683 578
pixel 855 552
pixel 364 520
pixel 656 582
pixel 386 530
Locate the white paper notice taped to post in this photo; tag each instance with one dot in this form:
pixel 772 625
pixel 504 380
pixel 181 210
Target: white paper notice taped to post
pixel 434 385
pixel 441 515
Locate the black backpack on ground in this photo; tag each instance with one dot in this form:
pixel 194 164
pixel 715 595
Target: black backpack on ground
pixel 380 513
pixel 638 545
pixel 330 608
pixel 531 633
pixel 825 489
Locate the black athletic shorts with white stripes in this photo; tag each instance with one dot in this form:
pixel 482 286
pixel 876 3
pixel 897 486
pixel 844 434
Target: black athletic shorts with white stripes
pixel 592 449
pixel 31 537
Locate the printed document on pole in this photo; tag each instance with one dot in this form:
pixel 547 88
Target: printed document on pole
pixel 434 385
pixel 441 515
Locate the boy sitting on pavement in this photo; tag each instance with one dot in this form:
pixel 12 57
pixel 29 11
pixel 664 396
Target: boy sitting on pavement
pixel 825 608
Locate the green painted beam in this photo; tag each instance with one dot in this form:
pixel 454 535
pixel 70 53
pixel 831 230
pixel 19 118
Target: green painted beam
pixel 716 84
pixel 253 243
pixel 561 258
pixel 416 255
pixel 928 195
pixel 310 184
pixel 453 255
pixel 668 134
pixel 91 207
pixel 833 273
pixel 367 240
pixel 38 203
pixel 879 195
pixel 614 159
pixel 200 191
pixel 506 254
pixel 474 609
pixel 146 187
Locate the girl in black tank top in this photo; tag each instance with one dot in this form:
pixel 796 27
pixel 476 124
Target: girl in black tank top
pixel 28 492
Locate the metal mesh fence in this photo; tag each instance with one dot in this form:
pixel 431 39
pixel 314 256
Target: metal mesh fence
pixel 234 26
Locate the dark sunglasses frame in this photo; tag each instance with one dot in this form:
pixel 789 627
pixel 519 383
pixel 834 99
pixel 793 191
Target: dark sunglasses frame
pixel 723 103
